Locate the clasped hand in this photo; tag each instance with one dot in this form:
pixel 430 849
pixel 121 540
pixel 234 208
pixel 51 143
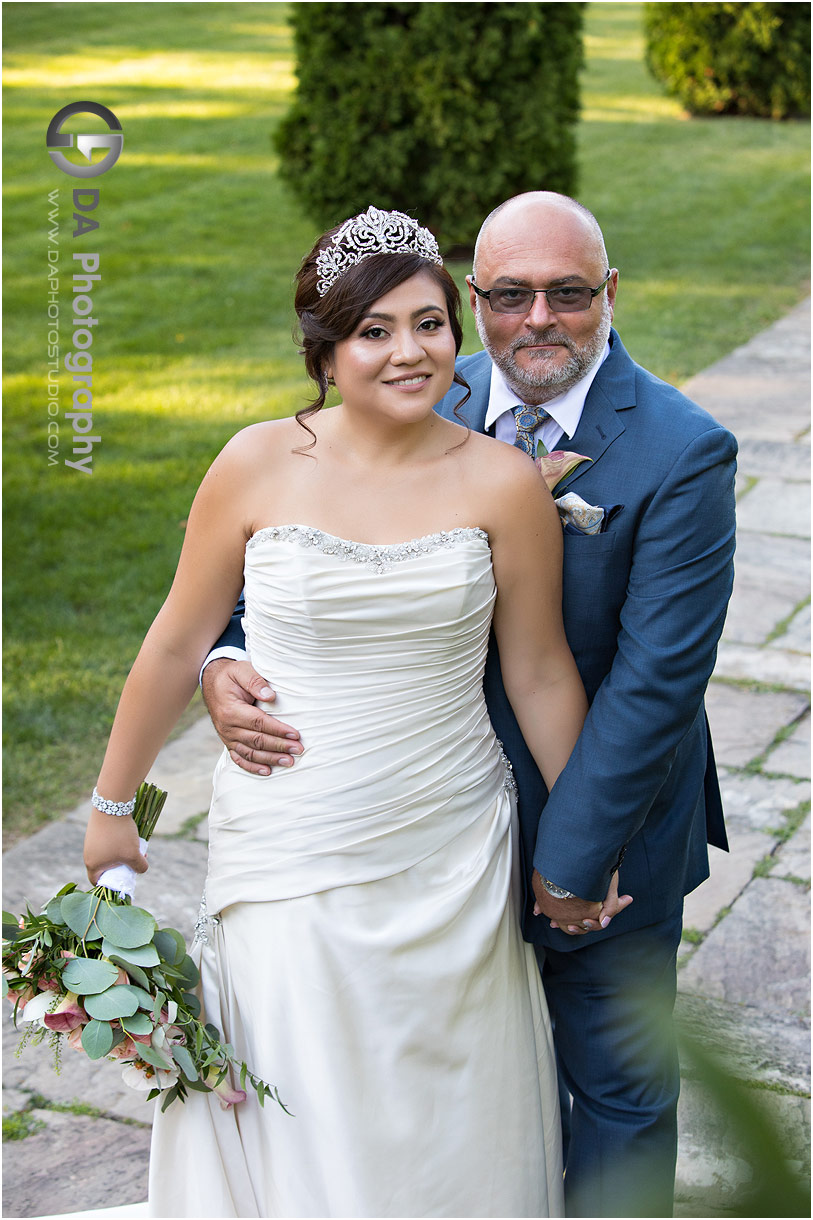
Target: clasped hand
pixel 575 916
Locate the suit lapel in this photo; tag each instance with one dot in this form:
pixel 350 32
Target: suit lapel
pixel 477 373
pixel 612 391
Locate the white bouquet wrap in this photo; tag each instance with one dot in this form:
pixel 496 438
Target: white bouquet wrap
pixel 122 879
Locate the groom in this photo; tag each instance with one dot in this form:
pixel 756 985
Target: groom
pixel 644 603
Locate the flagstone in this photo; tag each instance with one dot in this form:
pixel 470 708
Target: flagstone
pixel 763 663
pixel 731 964
pixel 73 1162
pixel 792 859
pixel 792 756
pixel 745 722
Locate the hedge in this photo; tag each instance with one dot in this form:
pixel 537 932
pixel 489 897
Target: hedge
pixel 438 110
pixel 742 59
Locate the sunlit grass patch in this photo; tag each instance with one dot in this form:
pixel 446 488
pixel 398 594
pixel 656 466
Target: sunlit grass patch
pixel 199 243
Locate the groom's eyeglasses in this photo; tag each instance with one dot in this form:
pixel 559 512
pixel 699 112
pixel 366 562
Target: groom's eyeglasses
pixel 570 298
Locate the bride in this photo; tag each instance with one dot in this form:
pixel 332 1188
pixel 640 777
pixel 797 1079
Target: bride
pixel 359 943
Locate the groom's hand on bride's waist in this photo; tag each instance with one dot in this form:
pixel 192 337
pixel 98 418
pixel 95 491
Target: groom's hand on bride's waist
pixel 256 741
pixel 577 916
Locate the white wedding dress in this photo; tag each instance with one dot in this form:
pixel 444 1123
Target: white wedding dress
pixel 361 948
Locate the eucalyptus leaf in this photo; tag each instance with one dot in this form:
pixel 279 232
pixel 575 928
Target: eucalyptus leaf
pixel 199 1086
pixel 190 971
pixel 54 912
pixel 157 1005
pixel 143 955
pixel 5 986
pixel 136 974
pixel 170 945
pixel 185 1062
pixel 97 1039
pixel 139 1023
pixel 144 997
pixel 169 1097
pixel 118 1001
pixel 156 1058
pixel 191 1002
pixel 172 977
pixel 66 889
pixel 88 976
pixel 127 927
pixel 78 910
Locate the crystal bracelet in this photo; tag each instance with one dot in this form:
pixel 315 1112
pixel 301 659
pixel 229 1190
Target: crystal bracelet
pixel 119 809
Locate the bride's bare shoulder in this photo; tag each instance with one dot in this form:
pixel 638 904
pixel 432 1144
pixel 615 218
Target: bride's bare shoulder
pixel 503 461
pixel 500 478
pixel 265 444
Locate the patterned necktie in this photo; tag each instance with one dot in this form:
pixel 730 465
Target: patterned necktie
pixel 528 419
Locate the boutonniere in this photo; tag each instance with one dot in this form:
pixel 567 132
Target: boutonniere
pixel 557 465
pixel 576 515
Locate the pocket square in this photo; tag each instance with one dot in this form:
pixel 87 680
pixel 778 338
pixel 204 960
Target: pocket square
pixel 579 517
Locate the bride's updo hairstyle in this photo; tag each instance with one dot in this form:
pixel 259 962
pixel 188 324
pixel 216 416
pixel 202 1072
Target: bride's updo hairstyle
pixel 349 268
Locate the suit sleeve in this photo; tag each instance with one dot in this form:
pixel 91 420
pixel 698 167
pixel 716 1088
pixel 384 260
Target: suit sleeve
pixel 233 636
pixel 671 620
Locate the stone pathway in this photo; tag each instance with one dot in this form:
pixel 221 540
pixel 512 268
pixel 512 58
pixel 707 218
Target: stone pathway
pixel 744 972
pixel 745 969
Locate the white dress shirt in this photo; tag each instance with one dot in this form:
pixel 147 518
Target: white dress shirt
pixel 565 410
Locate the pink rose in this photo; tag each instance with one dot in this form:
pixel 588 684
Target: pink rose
pixel 21 997
pixel 75 1040
pixel 125 1050
pixel 66 1016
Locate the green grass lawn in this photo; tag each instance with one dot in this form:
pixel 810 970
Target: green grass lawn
pixel 198 240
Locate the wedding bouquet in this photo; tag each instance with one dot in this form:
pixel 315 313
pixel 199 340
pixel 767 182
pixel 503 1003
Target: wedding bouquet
pixel 98 972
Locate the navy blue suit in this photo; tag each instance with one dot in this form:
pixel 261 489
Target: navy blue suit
pixel 644 605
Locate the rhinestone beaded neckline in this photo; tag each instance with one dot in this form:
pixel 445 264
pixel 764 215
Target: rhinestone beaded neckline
pixel 378 555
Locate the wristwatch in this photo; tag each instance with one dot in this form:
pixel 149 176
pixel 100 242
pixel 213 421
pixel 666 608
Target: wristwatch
pixel 556 891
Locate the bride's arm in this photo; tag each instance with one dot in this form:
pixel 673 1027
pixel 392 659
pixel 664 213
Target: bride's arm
pixel 538 671
pixel 165 674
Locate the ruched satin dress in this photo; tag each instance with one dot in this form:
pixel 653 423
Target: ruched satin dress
pixel 360 946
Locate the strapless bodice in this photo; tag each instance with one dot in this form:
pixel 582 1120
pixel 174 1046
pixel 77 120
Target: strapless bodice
pixel 376 654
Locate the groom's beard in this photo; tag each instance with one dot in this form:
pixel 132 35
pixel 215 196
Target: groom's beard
pixel 543 381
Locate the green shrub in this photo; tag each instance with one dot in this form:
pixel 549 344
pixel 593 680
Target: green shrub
pixel 439 110
pixel 745 59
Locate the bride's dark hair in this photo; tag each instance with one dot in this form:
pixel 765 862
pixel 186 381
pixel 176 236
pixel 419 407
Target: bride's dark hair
pixel 326 320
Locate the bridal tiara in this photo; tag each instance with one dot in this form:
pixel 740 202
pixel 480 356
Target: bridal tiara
pixel 372 232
